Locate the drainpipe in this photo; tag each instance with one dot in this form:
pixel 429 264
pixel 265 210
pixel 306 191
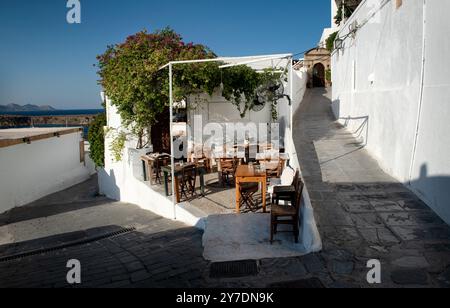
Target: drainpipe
pixel 422 84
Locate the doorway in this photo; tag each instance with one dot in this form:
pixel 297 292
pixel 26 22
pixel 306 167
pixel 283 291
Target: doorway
pixel 319 76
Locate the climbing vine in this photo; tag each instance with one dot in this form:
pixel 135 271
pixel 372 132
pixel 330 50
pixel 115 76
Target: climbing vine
pixel 330 41
pixel 243 85
pixel 117 145
pixel 96 138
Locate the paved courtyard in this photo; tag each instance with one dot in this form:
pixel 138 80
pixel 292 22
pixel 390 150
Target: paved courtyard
pixel 361 212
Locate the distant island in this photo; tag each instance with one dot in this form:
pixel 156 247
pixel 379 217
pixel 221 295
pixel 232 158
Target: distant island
pixel 25 108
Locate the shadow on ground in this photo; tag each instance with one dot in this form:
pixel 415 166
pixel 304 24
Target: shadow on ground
pixel 363 213
pixel 81 196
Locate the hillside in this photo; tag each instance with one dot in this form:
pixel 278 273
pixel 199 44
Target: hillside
pixel 20 108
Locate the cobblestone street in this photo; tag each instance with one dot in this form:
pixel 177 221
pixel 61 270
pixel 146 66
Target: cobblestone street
pixel 361 212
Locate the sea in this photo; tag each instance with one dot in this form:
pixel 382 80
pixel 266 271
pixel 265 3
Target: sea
pixel 76 112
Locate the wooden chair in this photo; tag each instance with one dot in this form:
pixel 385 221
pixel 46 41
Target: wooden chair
pixel 161 161
pixel 201 157
pixel 248 191
pixel 187 182
pixel 227 170
pixel 288 214
pixel 286 193
pixel 274 168
pixel 204 162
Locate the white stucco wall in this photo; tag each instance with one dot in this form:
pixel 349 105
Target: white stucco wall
pixel 29 172
pixel 325 35
pixel 334 10
pixel 218 110
pixel 123 180
pixel 299 81
pixel 391 86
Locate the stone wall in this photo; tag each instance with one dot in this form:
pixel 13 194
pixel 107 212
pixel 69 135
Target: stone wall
pixel 74 120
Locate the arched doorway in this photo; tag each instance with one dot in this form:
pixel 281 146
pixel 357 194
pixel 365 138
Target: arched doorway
pixel 319 75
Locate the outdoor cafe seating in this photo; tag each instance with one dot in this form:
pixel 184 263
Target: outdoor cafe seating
pixel 288 213
pixel 253 180
pixel 187 182
pixel 267 180
pixel 152 163
pixel 227 170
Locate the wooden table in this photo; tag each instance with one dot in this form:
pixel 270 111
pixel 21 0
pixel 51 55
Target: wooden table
pixel 248 174
pixel 148 162
pixel 178 171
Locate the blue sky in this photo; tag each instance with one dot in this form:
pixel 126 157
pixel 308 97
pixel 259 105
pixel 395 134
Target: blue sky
pixel 44 60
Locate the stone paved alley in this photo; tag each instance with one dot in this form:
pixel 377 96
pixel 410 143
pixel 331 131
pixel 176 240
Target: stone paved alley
pixel 361 213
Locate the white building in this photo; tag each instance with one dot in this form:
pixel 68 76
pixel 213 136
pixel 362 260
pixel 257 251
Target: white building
pixel 391 79
pixel 36 162
pixel 352 4
pixel 123 180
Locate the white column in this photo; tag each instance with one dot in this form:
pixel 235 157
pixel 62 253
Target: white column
pixel 334 10
pixel 172 149
pixel 291 107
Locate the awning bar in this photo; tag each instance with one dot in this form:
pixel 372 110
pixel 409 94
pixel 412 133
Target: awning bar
pixel 191 61
pixel 228 59
pixel 251 62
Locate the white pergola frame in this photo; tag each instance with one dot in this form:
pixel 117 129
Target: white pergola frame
pixel 232 61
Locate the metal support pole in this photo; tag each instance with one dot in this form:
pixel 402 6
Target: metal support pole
pixel 172 149
pixel 291 95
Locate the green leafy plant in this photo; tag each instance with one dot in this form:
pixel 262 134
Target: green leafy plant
pixel 117 146
pixel 240 84
pixel 274 110
pixel 328 75
pixel 131 77
pixel 330 41
pixel 96 138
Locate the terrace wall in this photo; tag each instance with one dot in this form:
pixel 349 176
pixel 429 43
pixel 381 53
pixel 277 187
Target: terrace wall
pixel 29 172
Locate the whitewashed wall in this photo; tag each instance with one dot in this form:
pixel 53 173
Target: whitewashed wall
pixel 29 172
pixel 216 109
pixel 391 86
pixel 308 223
pixel 123 180
pixel 299 81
